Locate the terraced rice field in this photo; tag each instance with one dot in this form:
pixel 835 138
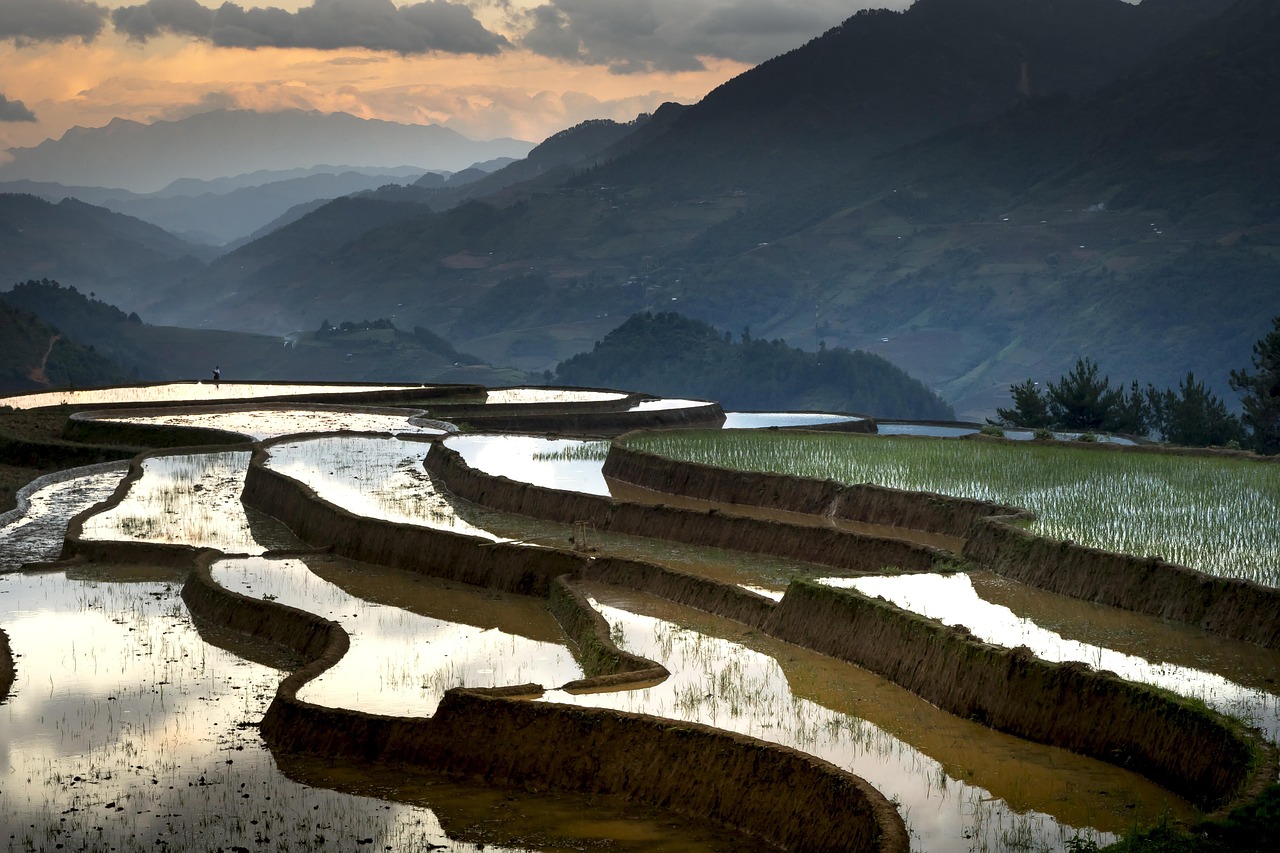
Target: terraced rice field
pixel 1218 515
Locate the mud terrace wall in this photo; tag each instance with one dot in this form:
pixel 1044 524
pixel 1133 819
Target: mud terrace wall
pixel 839 549
pixel 1202 755
pixel 505 566
pixel 870 504
pixel 792 800
pixel 569 420
pixel 1235 608
pixel 1239 609
pixel 6 666
pixel 605 665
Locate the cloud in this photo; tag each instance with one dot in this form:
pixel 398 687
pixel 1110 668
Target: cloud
pixel 433 26
pixel 639 36
pixel 14 111
pixel 29 21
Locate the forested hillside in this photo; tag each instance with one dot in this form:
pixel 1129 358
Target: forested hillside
pixel 675 356
pixel 34 355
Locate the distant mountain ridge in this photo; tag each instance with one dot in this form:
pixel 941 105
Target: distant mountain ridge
pixel 216 144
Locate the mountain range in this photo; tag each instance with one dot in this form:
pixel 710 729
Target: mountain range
pixel 211 145
pixel 978 190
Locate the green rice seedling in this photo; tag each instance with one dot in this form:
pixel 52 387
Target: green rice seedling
pixel 1218 515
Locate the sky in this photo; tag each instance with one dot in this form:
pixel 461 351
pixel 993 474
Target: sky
pixel 485 68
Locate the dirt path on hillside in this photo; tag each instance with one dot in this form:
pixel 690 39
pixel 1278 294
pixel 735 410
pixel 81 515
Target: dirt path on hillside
pixel 37 373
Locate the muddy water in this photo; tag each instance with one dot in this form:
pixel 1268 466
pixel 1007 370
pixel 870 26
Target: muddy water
pixel 186 391
pixel 126 731
pixel 961 786
pixel 953 600
pixel 401 661
pixel 272 421
pixel 191 499
pixel 34 534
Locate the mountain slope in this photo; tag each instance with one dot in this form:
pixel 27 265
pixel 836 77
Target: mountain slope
pixel 126 260
pixel 1131 220
pixel 33 356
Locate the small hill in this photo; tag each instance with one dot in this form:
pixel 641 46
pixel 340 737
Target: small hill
pixel 34 355
pixel 365 351
pixel 675 356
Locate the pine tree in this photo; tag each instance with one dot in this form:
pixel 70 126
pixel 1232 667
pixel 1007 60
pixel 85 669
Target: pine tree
pixel 1260 392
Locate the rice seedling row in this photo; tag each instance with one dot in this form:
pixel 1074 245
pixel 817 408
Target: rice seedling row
pixel 1218 515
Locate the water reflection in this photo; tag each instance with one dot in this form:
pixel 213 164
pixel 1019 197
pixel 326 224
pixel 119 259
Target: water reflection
pixel 952 600
pixel 186 392
pixel 554 463
pixel 727 677
pixel 35 535
pixel 400 662
pixel 372 476
pixel 273 421
pixel 549 395
pixel 764 420
pixel 190 499
pixel 125 730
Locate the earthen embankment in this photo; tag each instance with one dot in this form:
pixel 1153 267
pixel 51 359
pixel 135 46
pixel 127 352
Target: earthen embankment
pixel 1199 754
pixel 570 420
pixel 603 663
pixel 862 502
pixel 839 549
pixel 1235 608
pixel 440 553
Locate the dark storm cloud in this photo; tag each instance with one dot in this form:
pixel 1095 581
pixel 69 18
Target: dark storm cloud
pixel 631 36
pixel 29 21
pixel 427 27
pixel 14 111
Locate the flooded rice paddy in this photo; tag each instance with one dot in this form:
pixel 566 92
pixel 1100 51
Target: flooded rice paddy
pixel 1218 515
pixel 191 499
pixel 402 657
pixel 33 532
pixel 764 420
pixel 960 786
pixel 554 463
pixel 131 729
pixel 128 730
pixel 372 476
pixel 193 392
pixel 274 421
pixel 498 396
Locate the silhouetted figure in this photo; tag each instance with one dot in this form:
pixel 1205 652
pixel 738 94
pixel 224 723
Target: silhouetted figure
pixel 217 375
